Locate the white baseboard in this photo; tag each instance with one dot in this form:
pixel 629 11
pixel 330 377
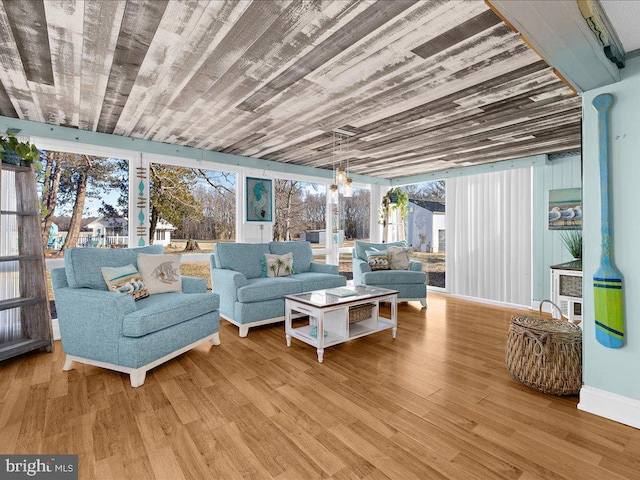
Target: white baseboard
pixel 55 327
pixel 487 301
pixel 610 405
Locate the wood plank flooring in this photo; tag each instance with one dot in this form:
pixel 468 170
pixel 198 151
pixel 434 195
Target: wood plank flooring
pixel 435 403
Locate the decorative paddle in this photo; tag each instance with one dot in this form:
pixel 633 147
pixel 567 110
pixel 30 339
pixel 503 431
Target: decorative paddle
pixel 607 281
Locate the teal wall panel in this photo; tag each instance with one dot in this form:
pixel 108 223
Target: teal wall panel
pixel 614 370
pixel 547 248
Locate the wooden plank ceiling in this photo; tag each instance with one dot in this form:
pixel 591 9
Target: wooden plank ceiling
pixel 420 86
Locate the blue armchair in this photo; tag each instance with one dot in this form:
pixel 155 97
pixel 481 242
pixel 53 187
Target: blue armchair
pixel 411 284
pixel 111 330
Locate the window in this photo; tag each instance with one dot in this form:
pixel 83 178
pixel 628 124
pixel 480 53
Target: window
pixel 191 208
pixel 426 229
pixel 300 213
pixel 355 213
pixel 84 201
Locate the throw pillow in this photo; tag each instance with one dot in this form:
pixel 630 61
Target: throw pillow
pixel 278 265
pixel 161 273
pixel 399 258
pixel 377 259
pixel 125 279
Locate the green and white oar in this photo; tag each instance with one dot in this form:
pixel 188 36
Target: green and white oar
pixel 607 281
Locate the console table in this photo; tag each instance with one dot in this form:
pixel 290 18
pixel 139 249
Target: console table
pixel 566 289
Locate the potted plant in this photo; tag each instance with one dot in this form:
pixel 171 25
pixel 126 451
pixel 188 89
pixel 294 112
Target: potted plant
pixel 572 240
pixel 394 199
pixel 15 152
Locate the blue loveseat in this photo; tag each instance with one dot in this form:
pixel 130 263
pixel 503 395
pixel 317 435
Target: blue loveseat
pixel 111 330
pixel 247 297
pixel 411 284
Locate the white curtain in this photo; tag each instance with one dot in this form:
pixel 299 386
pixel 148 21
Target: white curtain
pixel 489 236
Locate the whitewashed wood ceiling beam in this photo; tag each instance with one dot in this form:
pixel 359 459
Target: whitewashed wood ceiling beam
pixel 421 85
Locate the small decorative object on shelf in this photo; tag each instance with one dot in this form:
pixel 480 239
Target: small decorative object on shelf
pixel 14 152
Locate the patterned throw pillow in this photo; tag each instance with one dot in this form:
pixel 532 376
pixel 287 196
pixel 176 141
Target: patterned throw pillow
pixel 125 280
pixel 399 258
pixel 377 259
pixel 278 265
pixel 161 273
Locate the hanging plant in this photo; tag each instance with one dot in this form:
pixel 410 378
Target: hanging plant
pixel 394 199
pixel 14 151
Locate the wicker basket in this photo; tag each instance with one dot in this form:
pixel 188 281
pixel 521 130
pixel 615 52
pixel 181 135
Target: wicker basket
pixel 545 354
pixel 360 312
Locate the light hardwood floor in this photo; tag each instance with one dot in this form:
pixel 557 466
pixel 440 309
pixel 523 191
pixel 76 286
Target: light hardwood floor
pixel 437 402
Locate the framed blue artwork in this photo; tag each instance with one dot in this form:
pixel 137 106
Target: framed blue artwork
pixel 259 200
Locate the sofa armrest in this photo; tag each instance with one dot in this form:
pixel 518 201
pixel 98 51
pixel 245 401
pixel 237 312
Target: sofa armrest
pixel 415 266
pixel 91 321
pixel 194 285
pixel 360 267
pixel 226 283
pixel 324 268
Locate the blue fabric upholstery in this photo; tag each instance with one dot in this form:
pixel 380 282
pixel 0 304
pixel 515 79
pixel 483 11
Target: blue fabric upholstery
pixel 302 254
pixel 194 285
pixel 136 352
pixel 246 300
pixel 245 258
pixel 361 248
pixel 323 268
pixel 82 265
pixel 390 277
pixel 260 289
pixel 411 283
pixel 255 312
pixel 110 327
pixel 318 281
pixel 163 310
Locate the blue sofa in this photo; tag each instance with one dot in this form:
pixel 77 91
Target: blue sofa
pixel 249 299
pixel 411 284
pixel 111 330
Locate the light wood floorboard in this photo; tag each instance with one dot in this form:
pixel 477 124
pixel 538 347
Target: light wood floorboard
pixel 435 403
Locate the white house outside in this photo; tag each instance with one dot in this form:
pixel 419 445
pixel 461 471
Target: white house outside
pixel 111 232
pixel 426 226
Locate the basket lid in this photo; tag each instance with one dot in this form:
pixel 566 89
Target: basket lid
pixel 545 325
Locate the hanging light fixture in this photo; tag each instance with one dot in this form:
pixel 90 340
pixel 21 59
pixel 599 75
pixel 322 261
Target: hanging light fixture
pixel 333 193
pixel 348 182
pixel 348 188
pixel 341 176
pixel 333 188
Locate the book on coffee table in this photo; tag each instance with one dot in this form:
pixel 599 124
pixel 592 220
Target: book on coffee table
pixel 341 292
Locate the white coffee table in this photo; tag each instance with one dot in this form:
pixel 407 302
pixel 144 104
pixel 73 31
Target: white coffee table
pixel 330 314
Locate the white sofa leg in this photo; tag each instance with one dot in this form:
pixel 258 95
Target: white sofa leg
pixel 244 330
pixel 423 303
pixel 68 364
pixel 216 339
pixel 137 377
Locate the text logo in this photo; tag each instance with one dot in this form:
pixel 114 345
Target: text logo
pixel 58 467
